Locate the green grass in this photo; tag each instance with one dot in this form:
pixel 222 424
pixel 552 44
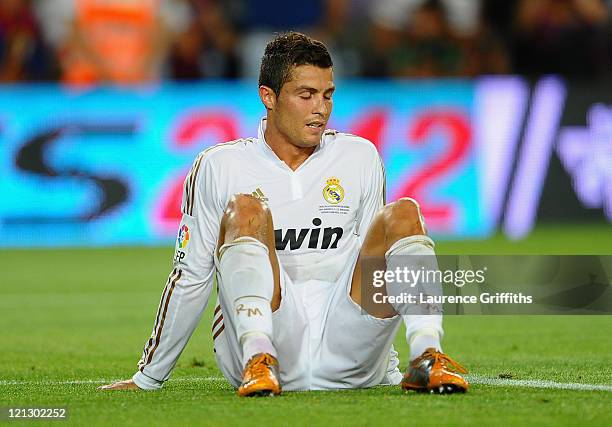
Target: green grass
pixel 83 314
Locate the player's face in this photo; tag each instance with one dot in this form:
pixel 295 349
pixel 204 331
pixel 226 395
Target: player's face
pixel 304 105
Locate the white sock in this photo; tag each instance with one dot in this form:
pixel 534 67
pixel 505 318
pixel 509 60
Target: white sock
pixel 423 323
pixel 254 343
pixel 415 265
pixel 248 283
pixel 422 341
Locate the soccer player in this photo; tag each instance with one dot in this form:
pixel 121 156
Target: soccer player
pixel 282 221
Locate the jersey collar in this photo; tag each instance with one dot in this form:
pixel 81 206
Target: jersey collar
pixel 265 149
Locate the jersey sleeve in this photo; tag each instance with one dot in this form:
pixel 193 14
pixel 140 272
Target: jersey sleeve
pixel 190 282
pixel 374 194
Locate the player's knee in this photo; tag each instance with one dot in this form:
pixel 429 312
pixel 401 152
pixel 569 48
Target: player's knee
pixel 403 218
pixel 245 215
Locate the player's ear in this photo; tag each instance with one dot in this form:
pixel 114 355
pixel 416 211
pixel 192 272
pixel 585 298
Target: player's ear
pixel 268 97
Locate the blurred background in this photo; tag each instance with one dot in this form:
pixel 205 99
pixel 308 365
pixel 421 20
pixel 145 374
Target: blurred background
pixel 495 114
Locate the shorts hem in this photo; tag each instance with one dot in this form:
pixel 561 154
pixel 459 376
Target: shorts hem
pixel 369 317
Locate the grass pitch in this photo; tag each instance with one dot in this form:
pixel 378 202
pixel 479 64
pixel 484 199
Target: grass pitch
pixel 72 319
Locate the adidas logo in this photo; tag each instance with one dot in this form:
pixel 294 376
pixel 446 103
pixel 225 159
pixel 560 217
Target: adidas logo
pixel 259 194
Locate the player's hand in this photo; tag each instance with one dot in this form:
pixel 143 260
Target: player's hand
pixel 120 385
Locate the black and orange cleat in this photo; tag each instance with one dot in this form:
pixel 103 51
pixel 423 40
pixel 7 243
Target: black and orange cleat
pixel 435 372
pixel 260 377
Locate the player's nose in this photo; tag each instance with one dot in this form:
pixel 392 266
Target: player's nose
pixel 321 107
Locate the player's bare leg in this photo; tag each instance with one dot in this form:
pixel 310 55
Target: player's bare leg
pixel 251 282
pixel 247 239
pixel 248 216
pixel 392 223
pixel 397 232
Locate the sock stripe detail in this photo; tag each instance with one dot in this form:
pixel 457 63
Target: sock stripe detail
pixel 219 331
pixel 218 322
pixel 219 319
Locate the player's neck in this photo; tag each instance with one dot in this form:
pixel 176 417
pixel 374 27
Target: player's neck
pixel 292 155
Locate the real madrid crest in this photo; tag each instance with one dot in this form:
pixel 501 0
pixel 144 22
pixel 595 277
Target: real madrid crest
pixel 333 192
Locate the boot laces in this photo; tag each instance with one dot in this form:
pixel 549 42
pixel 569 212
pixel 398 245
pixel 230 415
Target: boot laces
pixel 449 363
pixel 260 366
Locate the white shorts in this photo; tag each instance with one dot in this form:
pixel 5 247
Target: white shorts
pixel 323 338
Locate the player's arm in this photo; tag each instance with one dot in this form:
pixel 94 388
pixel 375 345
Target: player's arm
pixel 189 284
pixel 374 193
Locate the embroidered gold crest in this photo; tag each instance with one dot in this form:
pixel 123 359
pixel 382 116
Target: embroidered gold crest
pixel 333 192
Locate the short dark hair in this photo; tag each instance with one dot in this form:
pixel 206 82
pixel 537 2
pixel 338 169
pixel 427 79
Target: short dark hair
pixel 289 50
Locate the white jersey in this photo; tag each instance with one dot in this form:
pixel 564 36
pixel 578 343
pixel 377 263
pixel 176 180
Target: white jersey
pixel 321 212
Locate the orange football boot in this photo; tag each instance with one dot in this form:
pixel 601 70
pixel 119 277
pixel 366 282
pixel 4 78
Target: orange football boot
pixel 435 372
pixel 260 376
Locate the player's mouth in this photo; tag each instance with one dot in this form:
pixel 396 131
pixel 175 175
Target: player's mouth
pixel 316 126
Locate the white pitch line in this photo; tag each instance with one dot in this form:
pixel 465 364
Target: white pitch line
pixel 500 382
pixel 473 379
pixel 100 381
